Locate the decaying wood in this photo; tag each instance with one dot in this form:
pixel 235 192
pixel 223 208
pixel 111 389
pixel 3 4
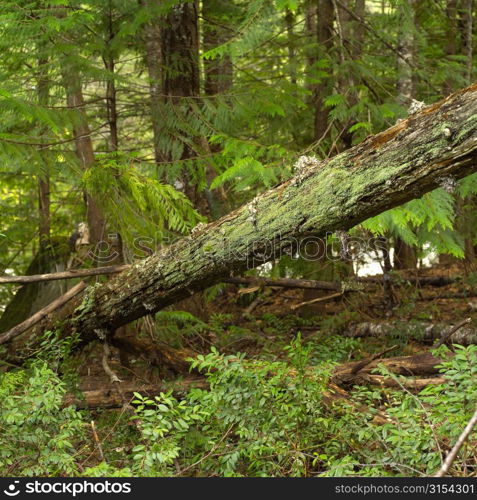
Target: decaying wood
pixel 168 359
pixel 424 364
pixel 42 313
pixel 107 396
pixel 435 281
pixel 285 282
pixel 385 170
pixel 411 384
pixel 422 331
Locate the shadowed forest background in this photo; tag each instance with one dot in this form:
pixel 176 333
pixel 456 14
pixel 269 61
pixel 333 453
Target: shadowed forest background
pixel 126 125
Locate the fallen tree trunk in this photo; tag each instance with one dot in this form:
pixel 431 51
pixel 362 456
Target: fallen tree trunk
pixel 424 364
pixel 114 396
pixel 421 331
pixel 436 281
pixel 409 159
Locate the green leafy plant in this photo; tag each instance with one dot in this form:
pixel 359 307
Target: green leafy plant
pixel 38 434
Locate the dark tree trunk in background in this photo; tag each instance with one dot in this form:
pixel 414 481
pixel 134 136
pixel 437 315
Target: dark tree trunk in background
pixel 310 33
pixel 218 80
pixel 84 149
pixel 405 255
pixel 180 52
pixel 452 39
pixel 44 176
pixel 218 71
pixel 469 222
pixel 466 10
pixel 406 52
pixel 359 29
pixel 324 34
pixel 153 58
pixel 112 113
pixel 459 42
pixel 181 88
pixel 111 101
pixel 181 82
pixel 349 29
pixel 290 22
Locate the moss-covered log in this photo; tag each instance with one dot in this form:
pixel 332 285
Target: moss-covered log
pixel 428 149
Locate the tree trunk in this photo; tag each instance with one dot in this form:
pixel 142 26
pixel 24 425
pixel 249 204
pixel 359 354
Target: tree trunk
pixel 325 44
pixel 452 37
pixel 172 55
pixel 218 79
pixel 386 170
pixel 44 175
pixel 467 8
pixel 420 331
pixel 84 149
pixel 153 58
pixel 405 255
pixel 406 52
pixel 290 22
pixel 111 101
pixel 218 71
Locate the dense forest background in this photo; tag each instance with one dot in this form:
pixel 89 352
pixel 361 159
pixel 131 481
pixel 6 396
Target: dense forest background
pixel 126 124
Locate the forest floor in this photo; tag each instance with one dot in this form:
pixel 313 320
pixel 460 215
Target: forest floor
pixel 261 322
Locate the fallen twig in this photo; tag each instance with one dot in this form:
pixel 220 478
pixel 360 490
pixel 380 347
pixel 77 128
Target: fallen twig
pixel 447 335
pixel 456 448
pixel 97 441
pixel 314 301
pixel 63 275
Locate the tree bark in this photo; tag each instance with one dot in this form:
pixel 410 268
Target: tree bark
pixel 386 170
pixel 84 148
pixel 153 58
pixel 405 255
pixel 424 332
pixel 218 71
pixel 105 395
pixel 110 64
pixel 452 41
pixel 44 202
pixel 467 8
pixel 325 43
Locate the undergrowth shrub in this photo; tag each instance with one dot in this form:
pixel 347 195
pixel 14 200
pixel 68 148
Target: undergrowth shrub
pixel 258 417
pixel 422 427
pixel 37 434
